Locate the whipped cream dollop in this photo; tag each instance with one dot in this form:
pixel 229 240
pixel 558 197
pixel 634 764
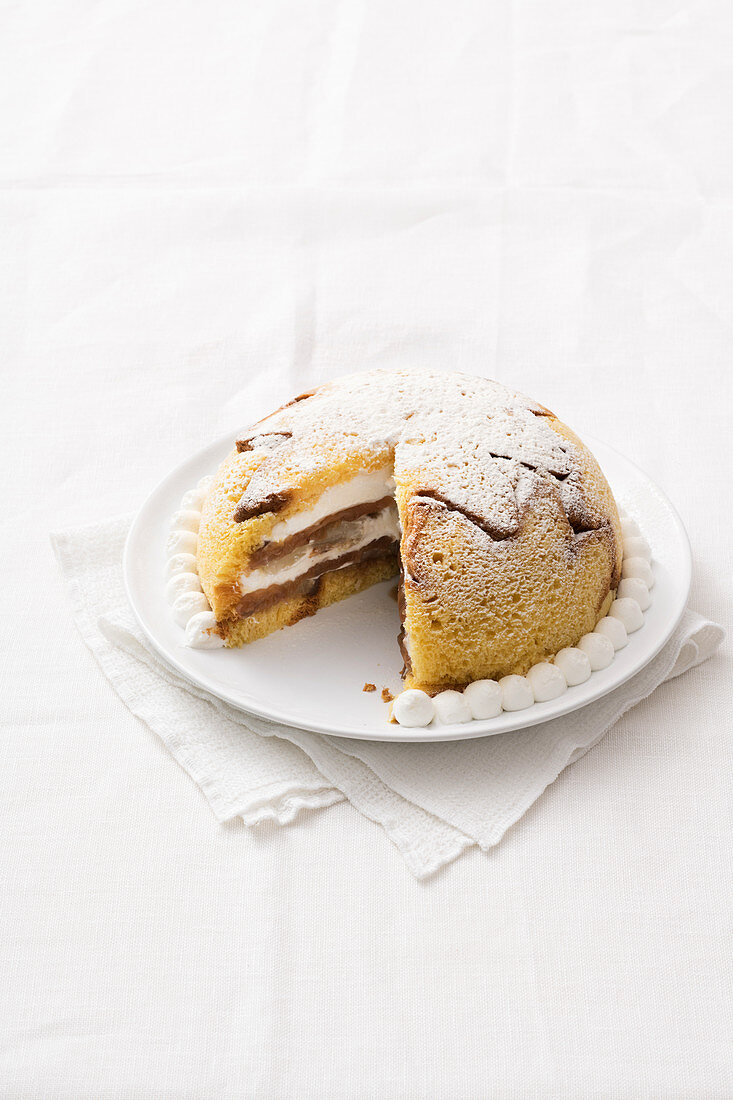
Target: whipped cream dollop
pixel 637 590
pixel 637 547
pixel 614 630
pixel 483 698
pixel 598 649
pixel 569 668
pixel 451 708
pixel 414 708
pixel 180 583
pixel 182 542
pixel 628 611
pixel 547 681
pixel 638 568
pixel 189 607
pixel 574 665
pixel 180 563
pixel 516 692
pixel 201 631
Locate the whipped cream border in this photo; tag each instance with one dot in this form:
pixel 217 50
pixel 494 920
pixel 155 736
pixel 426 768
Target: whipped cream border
pixel 480 700
pixel 189 606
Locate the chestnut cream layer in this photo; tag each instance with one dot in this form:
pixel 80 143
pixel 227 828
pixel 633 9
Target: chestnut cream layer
pixel 350 523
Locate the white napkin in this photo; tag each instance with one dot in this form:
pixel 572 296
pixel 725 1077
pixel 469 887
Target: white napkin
pixel 433 800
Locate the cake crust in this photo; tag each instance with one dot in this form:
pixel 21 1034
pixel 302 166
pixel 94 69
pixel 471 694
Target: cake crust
pixel 510 544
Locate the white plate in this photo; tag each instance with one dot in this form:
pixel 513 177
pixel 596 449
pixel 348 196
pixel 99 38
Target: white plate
pixel 311 675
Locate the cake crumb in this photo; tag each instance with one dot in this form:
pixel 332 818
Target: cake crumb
pixel 387 695
pixel 369 687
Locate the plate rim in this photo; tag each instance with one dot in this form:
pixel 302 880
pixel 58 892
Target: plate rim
pixel 395 733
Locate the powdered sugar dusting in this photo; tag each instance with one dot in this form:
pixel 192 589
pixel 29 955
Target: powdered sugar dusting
pixel 509 537
pixel 469 440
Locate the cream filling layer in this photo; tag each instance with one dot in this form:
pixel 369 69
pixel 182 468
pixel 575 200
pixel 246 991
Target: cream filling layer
pixel 358 490
pixel 357 534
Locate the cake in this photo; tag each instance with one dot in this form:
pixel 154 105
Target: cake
pixel 497 519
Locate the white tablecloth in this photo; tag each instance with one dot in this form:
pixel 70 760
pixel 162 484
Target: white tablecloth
pixel 192 196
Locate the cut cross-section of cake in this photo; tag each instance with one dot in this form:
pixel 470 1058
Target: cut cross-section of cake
pixel 498 519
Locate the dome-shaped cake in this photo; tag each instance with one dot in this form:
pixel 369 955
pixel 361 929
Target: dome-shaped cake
pixel 496 516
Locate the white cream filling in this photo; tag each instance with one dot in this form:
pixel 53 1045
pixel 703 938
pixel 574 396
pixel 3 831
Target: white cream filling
pixel 370 528
pixel 189 606
pixel 361 489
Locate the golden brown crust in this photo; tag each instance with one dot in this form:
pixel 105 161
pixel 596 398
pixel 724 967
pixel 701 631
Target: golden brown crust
pixel 517 567
pixel 482 608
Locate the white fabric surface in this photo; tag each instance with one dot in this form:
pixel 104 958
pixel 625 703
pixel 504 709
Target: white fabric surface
pixel 199 204
pixel 433 801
